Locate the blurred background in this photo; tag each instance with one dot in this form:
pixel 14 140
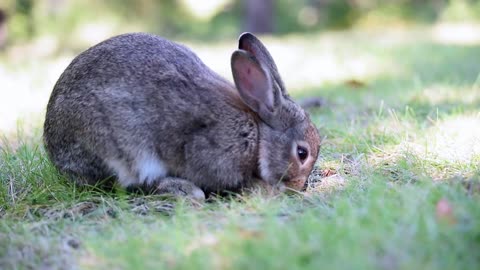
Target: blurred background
pixel 216 19
pixel 332 40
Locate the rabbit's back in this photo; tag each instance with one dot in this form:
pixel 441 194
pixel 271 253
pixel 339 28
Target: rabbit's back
pixel 134 60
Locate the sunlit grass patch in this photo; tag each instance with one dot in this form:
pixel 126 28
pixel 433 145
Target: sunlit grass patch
pixel 439 148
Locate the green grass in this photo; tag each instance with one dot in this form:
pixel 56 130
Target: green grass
pixel 402 146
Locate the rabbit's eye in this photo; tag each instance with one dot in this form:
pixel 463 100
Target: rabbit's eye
pixel 302 153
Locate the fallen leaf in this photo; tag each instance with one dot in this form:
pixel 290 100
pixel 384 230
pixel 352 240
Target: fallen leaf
pixel 444 211
pixel 328 172
pixel 354 83
pixel 249 234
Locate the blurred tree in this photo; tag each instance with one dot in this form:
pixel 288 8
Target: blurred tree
pixel 259 16
pixel 25 8
pixel 3 28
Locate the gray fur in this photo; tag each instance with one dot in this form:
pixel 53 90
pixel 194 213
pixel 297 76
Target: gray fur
pixel 137 106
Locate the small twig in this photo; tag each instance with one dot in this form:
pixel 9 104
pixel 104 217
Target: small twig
pixel 12 191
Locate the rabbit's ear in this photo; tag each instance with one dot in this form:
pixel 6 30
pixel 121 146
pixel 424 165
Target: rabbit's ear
pixel 254 84
pixel 248 42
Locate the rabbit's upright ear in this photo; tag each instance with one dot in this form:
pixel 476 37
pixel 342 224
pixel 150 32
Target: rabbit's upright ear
pixel 254 84
pixel 250 43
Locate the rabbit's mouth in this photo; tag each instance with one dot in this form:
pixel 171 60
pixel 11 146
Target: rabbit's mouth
pixel 297 183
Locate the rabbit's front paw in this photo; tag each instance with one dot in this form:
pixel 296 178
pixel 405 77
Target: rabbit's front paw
pixel 179 187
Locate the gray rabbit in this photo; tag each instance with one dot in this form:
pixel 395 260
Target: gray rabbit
pixel 148 112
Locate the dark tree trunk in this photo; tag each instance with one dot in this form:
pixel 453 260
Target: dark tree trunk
pixel 3 28
pixel 259 16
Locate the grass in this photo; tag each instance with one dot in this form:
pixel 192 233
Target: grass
pixel 397 184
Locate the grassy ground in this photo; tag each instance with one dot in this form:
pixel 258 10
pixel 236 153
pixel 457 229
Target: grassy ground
pixel 397 184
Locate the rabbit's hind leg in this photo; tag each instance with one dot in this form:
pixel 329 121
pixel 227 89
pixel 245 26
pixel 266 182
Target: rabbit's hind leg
pixel 144 171
pixel 84 168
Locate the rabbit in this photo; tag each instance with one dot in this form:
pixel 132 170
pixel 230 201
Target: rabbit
pixel 149 113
